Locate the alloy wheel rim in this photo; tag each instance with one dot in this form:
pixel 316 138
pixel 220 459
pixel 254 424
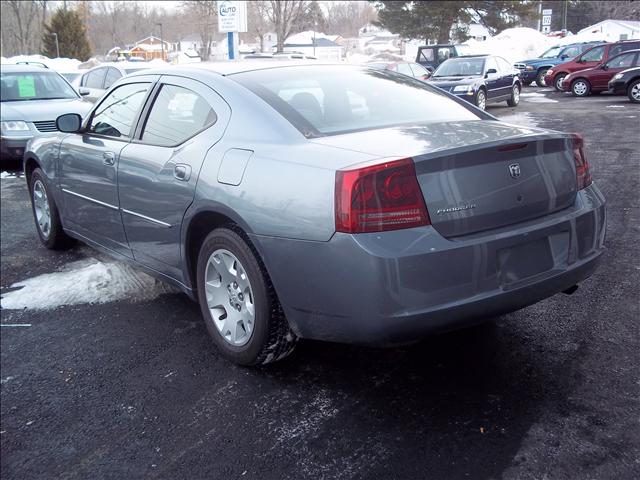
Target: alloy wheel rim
pixel 42 209
pixel 482 101
pixel 635 91
pixel 516 94
pixel 559 81
pixel 580 88
pixel 229 297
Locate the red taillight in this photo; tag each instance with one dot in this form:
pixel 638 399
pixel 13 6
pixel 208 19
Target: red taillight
pixel 583 174
pixel 380 197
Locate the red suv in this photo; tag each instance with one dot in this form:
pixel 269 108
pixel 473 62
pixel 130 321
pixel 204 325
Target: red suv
pixel 596 79
pixel 590 58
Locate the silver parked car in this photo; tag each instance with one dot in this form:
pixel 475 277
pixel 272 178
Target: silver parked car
pixel 98 80
pixel 32 97
pixel 316 201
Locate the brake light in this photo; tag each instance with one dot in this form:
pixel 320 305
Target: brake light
pixel 583 174
pixel 380 197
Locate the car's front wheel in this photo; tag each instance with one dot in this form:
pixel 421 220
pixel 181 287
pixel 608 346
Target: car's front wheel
pixel 633 92
pixel 45 213
pixel 540 78
pixel 481 99
pixel 238 302
pixel 580 87
pixel 515 96
pixel 557 81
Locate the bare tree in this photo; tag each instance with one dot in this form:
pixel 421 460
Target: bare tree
pixel 257 21
pixel 285 15
pixel 205 14
pixel 21 25
pixel 346 18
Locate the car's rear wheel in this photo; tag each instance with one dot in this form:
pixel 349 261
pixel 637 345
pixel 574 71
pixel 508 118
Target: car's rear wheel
pixel 238 302
pixel 515 96
pixel 540 78
pixel 45 214
pixel 580 87
pixel 481 100
pixel 557 81
pixel 633 92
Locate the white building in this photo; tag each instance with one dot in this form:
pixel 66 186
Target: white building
pixel 194 42
pixel 322 46
pixel 478 32
pixel 614 30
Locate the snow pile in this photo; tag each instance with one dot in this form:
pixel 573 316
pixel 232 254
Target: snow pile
pixel 514 44
pixel 584 37
pixel 57 64
pixel 85 281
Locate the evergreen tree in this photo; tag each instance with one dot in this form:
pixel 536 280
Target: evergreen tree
pixel 72 36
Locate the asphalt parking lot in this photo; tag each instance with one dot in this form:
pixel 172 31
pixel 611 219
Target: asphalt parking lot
pixel 134 388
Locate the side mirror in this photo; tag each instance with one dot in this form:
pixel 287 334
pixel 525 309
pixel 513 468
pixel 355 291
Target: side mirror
pixel 69 123
pixel 83 91
pixel 604 66
pixel 564 56
pixel 490 71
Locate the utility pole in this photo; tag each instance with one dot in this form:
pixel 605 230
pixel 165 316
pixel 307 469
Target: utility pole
pixel 564 17
pixel 57 45
pixel 161 40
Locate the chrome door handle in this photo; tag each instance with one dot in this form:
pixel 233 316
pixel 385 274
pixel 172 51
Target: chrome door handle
pixel 182 172
pixel 108 158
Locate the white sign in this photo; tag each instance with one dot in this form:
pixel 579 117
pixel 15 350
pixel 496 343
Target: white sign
pixel 232 16
pixel 546 29
pixel 546 20
pixel 547 11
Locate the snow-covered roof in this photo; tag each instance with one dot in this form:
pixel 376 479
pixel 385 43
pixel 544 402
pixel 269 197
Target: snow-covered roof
pixel 629 24
pixel 318 43
pixel 306 38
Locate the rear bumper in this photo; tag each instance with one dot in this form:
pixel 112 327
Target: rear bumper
pixel 396 287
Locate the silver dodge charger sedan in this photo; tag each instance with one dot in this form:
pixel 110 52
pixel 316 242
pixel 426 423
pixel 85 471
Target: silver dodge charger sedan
pixel 328 202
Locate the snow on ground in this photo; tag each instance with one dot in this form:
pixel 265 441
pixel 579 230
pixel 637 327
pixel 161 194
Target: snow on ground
pixel 514 44
pixel 4 175
pixel 535 97
pixel 85 281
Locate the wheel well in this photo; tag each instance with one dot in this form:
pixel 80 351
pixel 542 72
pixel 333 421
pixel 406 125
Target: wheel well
pixel 30 164
pixel 199 228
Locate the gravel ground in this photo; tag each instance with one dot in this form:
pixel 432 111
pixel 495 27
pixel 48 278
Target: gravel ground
pixel 134 388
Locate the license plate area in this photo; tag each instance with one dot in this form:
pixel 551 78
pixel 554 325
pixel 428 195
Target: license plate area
pixel 518 263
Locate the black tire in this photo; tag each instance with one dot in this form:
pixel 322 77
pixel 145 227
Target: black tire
pixel 540 77
pixel 481 99
pixel 580 87
pixel 56 239
pixel 557 80
pixel 271 339
pixel 634 95
pixel 515 96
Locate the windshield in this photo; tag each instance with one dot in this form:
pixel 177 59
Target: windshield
pixel 460 67
pixel 551 53
pixel 337 99
pixel 19 86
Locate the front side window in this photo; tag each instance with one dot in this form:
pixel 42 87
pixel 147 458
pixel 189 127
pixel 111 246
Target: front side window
pixel 504 65
pixel 95 78
pixel 593 55
pixel 571 52
pixel 117 113
pixel 177 115
pixel 329 100
pixel 622 61
pixel 17 86
pixel 491 64
pixel 405 69
pixel 419 70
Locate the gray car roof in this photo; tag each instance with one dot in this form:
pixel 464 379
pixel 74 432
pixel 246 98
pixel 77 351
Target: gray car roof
pixel 10 68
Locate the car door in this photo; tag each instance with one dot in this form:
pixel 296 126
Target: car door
pixel 88 165
pixel 600 78
pixel 93 81
pixel 507 75
pixel 492 79
pixel 157 172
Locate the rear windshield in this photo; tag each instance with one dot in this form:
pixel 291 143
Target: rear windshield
pixel 326 100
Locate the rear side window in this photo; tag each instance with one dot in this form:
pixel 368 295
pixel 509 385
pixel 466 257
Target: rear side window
pixel 426 55
pixel 177 115
pixel 94 79
pixel 116 114
pixel 326 100
pixel 113 75
pixel 623 47
pixel 593 55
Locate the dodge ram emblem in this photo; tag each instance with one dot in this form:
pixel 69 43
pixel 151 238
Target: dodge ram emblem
pixel 514 170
